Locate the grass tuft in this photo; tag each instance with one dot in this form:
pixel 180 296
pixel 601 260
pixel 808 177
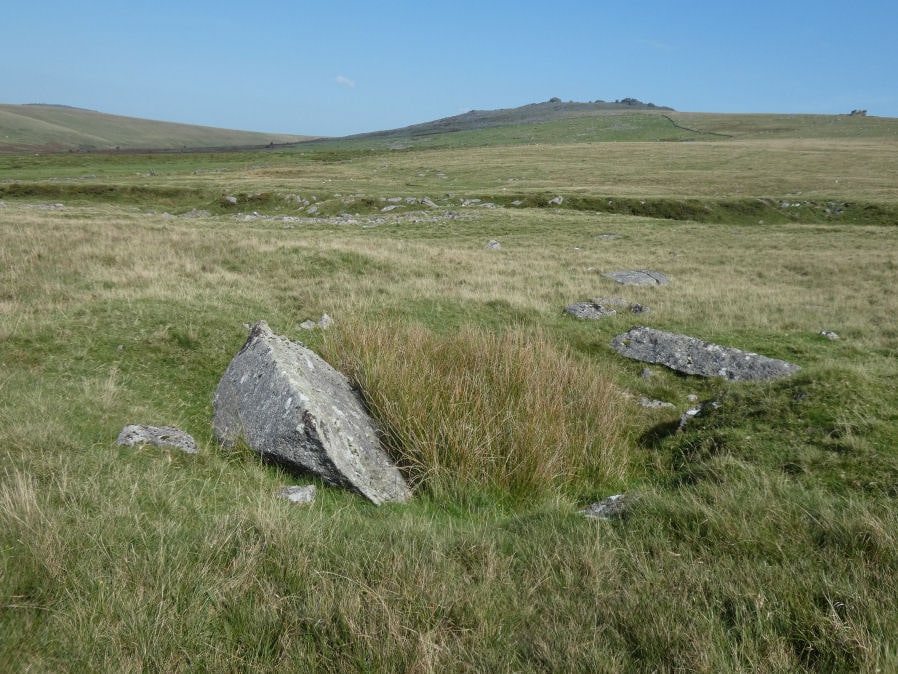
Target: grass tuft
pixel 508 413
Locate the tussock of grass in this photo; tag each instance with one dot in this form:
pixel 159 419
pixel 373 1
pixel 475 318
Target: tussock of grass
pixel 507 412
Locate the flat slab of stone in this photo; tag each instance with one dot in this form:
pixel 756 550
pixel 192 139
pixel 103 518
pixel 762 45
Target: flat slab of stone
pixel 690 355
pixel 158 436
pixel 295 409
pixel 638 277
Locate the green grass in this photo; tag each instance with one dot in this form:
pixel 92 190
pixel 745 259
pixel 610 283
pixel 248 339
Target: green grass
pixel 761 537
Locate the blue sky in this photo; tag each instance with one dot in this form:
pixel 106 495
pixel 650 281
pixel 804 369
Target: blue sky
pixel 335 68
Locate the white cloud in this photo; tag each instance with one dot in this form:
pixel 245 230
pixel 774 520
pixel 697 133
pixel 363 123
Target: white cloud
pixel 345 82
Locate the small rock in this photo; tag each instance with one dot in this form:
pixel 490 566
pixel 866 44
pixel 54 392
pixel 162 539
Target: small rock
pixel 608 237
pixel 230 199
pixel 588 311
pixel 430 203
pixel 829 334
pixel 492 244
pixel 516 202
pixel 387 209
pixel 308 325
pixel 647 373
pixel 656 404
pixel 608 508
pixel 557 201
pixel 636 308
pixel 299 494
pixel 158 436
pixel 325 322
pixel 696 411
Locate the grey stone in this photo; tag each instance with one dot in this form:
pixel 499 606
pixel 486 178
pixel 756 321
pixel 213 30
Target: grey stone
pixel 295 409
pixel 608 508
pixel 308 325
pixel 557 201
pixel 829 334
pixel 387 209
pixel 638 277
pixel 589 310
pixel 430 203
pixel 325 322
pixel 697 411
pixel 492 244
pixel 231 200
pixel 656 404
pixel 299 494
pixel 690 355
pixel 158 436
pixel 608 237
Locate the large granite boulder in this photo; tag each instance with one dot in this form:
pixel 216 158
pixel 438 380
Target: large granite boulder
pixel 295 409
pixel 690 355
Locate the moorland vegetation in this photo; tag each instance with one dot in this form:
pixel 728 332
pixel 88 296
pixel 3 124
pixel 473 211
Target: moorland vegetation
pixel 761 536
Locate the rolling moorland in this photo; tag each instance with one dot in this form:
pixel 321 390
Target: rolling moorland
pixel 759 537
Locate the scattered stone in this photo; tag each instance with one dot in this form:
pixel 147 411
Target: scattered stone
pixel 231 199
pixel 829 334
pixel 158 436
pixel 608 508
pixel 299 494
pixel 492 244
pixel 198 213
pixel 690 355
pixel 2 204
pixel 516 202
pixel 295 409
pixel 470 202
pixel 656 404
pixel 387 209
pixel 692 397
pixel 324 323
pixel 608 237
pixel 696 411
pixel 430 203
pixel 589 310
pixel 557 201
pixel 311 210
pixel 633 307
pixel 638 277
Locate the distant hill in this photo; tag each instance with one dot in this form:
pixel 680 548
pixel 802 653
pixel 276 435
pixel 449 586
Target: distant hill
pixel 40 127
pixel 552 110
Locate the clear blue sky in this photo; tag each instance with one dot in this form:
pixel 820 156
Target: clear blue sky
pixel 335 68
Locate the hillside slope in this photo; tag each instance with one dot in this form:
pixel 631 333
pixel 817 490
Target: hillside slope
pixel 60 128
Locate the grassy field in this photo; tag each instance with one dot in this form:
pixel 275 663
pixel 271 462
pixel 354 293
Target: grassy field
pixel 761 538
